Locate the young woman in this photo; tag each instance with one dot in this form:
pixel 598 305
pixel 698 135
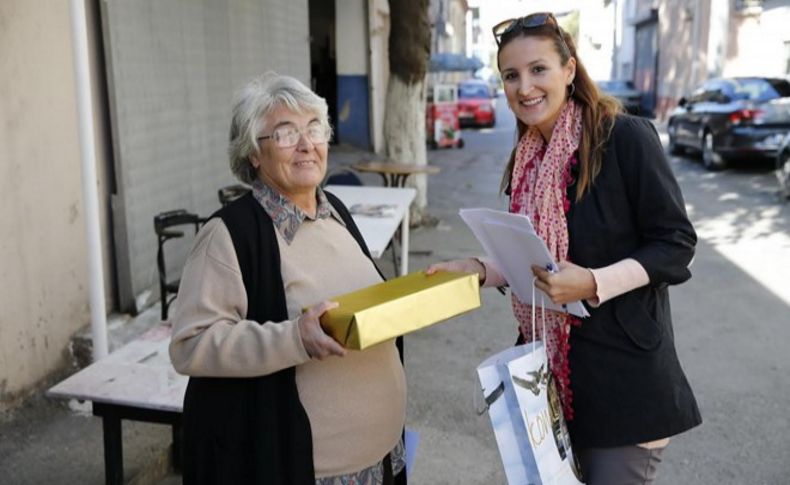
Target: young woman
pixel 598 189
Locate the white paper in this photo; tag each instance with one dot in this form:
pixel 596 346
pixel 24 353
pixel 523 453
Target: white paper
pixel 511 241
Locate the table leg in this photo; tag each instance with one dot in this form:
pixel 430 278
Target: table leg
pixel 177 453
pixel 393 246
pixel 111 415
pixel 404 244
pixel 113 450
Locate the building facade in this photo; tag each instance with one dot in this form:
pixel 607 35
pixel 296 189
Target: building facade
pixel 668 47
pixel 163 75
pixel 449 30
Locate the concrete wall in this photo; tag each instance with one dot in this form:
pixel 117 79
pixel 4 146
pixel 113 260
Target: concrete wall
pixel 173 67
pixel 42 237
pixel 704 39
pixel 683 50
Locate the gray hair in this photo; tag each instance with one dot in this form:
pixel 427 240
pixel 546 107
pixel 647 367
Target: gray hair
pixel 253 102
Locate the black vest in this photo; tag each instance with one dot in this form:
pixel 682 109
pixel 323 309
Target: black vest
pixel 252 430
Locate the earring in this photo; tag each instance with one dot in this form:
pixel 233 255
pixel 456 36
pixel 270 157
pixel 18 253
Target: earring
pixel 572 90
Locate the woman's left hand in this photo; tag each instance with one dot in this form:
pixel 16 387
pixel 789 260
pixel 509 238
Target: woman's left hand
pixel 571 283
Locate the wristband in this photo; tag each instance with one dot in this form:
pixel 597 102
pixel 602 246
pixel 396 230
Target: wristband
pixel 482 278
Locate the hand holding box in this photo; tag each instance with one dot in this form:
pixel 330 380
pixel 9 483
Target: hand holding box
pixel 401 305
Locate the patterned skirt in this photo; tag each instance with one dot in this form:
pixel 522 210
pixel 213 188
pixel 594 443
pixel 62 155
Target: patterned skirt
pixel 373 475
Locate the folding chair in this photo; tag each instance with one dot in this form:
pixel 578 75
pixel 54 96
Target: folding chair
pixel 163 226
pixel 342 175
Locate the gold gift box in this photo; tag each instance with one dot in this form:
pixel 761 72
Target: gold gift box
pixel 401 305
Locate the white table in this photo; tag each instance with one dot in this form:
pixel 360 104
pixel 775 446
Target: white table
pixel 136 382
pixel 378 231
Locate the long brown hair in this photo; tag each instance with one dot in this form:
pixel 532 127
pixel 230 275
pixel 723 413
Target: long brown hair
pixel 598 110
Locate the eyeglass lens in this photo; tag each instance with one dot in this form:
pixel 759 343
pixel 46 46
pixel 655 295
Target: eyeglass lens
pixel 288 136
pixel 530 21
pixel 536 20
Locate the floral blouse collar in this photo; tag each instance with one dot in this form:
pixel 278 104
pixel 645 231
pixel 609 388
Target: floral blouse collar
pixel 287 217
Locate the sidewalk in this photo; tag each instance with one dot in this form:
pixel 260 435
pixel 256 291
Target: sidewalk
pixel 51 441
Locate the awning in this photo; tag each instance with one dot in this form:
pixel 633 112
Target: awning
pixel 447 61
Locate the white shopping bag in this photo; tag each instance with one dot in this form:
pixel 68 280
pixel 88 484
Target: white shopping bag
pixel 526 414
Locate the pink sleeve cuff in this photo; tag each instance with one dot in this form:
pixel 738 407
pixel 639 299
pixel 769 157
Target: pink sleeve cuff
pixel 493 274
pixel 616 279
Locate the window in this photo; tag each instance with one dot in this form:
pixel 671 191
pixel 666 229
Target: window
pixel 787 57
pixel 758 89
pixel 473 91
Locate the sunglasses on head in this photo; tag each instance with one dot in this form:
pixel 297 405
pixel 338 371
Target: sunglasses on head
pixel 530 21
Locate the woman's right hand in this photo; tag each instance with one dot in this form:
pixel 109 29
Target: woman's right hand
pixel 318 344
pixel 466 265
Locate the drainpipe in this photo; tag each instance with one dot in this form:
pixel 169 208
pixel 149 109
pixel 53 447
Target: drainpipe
pixel 90 196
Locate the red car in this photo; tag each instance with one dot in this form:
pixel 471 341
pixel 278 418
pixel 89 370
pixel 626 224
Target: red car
pixel 476 104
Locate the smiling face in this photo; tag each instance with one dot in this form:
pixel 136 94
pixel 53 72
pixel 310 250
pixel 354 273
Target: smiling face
pixel 536 82
pixel 294 172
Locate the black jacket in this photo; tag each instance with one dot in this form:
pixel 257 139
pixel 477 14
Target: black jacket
pixel 627 383
pixel 252 430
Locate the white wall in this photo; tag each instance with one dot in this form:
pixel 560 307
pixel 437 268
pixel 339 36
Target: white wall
pixel 352 37
pixel 596 39
pixel 760 42
pixel 43 269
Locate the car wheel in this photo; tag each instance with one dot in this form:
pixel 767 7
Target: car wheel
pixel 674 148
pixel 783 173
pixel 710 159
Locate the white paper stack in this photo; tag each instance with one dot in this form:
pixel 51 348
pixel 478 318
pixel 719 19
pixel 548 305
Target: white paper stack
pixel 511 241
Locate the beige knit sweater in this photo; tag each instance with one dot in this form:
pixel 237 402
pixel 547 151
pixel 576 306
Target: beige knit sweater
pixel 356 404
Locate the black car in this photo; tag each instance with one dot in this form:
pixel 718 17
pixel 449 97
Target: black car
pixel 783 167
pixel 732 118
pixel 625 92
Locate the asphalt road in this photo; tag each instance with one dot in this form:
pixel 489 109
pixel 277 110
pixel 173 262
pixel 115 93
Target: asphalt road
pixel 731 321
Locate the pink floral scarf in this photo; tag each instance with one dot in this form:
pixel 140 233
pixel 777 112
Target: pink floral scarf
pixel 541 175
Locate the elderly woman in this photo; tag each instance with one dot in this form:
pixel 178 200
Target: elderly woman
pixel 271 398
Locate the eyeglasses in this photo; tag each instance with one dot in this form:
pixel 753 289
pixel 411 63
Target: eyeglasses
pixel 288 135
pixel 531 21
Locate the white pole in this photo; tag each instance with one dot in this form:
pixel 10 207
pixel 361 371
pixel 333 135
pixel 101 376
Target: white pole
pixel 79 31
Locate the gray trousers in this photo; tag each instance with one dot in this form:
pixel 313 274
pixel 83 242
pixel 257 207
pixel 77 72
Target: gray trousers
pixel 625 465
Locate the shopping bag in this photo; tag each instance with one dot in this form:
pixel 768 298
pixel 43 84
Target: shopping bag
pixel 524 406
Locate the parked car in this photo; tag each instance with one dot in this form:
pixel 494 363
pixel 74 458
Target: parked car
pixel 783 167
pixel 476 103
pixel 729 118
pixel 624 91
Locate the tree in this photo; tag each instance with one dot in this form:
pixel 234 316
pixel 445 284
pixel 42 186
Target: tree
pixel 404 119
